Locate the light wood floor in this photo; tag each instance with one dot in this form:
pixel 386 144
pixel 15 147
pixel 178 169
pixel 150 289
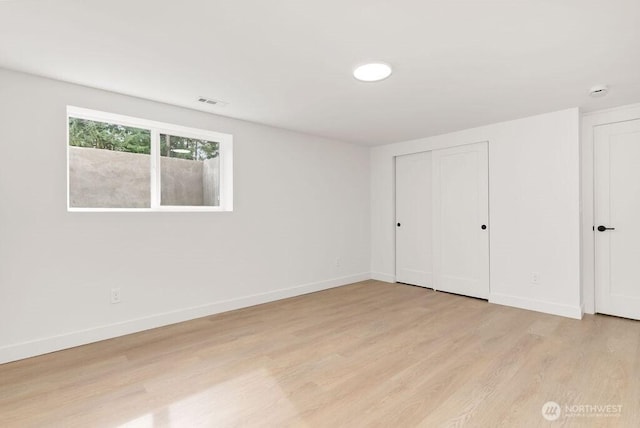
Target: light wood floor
pixel 368 354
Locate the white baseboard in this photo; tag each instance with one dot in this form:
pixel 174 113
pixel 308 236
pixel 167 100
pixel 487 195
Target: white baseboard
pixel 383 277
pixel 537 305
pixel 82 337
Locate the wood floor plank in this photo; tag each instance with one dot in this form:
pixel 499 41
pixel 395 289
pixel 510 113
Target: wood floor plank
pixel 364 355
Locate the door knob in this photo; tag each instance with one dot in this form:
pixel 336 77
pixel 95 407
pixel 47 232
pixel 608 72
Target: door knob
pixel 603 228
pixel 483 227
pixel 398 225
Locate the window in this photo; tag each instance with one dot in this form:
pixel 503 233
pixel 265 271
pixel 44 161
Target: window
pixel 119 163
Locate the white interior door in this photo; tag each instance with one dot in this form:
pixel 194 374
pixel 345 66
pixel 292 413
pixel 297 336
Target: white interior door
pixel 460 220
pixel 617 206
pixel 413 219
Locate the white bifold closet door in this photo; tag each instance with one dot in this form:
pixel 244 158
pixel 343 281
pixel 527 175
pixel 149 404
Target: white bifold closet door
pixel 617 218
pixel 413 219
pixel 460 220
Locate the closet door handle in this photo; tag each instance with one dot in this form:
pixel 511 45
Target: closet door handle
pixel 398 224
pixel 603 228
pixel 483 227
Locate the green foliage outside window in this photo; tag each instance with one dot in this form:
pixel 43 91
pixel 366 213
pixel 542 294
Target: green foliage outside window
pixel 187 148
pixel 108 136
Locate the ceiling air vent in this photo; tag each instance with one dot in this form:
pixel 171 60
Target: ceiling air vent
pixel 212 102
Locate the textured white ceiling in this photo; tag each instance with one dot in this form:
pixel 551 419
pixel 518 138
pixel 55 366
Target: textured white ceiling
pixel 287 63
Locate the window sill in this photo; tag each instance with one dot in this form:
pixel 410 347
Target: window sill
pixel 169 209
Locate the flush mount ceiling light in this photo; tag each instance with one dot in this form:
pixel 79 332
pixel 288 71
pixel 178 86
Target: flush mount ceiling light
pixel 372 72
pixel 599 91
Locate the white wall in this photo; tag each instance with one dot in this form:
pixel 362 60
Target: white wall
pixel 534 198
pixel 300 202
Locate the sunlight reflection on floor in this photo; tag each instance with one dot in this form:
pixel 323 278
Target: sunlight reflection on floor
pixel 145 421
pixel 223 403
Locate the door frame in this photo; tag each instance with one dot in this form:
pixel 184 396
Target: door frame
pixel 589 122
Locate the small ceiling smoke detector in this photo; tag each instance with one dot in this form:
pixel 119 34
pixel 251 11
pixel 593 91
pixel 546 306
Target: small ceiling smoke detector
pixel 599 91
pixel 212 102
pixel 372 72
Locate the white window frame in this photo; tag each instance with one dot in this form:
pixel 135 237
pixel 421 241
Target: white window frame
pixel 225 152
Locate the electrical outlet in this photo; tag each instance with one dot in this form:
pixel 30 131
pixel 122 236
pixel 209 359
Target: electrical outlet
pixel 115 296
pixel 535 277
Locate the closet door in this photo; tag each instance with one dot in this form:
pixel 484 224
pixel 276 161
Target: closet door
pixel 413 219
pixel 460 220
